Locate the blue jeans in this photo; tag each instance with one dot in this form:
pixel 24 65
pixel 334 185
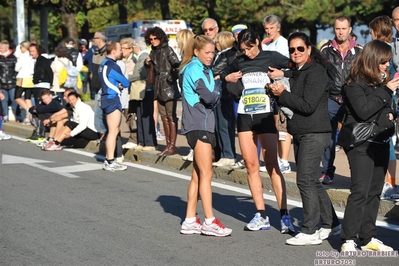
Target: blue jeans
pixel 9 100
pixel 335 111
pixel 225 128
pixel 308 149
pixel 99 121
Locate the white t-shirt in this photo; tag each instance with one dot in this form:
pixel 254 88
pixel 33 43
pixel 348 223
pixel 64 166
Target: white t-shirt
pixel 280 45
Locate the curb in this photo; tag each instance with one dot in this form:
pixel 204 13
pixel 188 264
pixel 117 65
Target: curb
pixel 338 196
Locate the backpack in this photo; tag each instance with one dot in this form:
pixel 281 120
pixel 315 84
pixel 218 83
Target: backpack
pixel 69 76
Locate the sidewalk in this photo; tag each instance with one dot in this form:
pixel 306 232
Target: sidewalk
pixel 338 191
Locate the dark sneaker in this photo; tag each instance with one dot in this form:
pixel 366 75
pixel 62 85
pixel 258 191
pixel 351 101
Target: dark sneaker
pixel 286 225
pixel 326 180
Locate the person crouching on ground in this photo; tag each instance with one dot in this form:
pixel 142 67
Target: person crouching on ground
pixel 57 120
pixel 81 126
pixel 48 105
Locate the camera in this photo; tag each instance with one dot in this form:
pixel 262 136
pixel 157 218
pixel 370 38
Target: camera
pixel 269 90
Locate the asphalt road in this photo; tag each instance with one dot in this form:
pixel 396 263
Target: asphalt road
pixel 60 208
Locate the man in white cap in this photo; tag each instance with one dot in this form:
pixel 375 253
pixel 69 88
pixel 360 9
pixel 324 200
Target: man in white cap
pixel 236 29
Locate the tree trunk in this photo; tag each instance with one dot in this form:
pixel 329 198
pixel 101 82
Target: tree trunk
pixel 72 30
pixel 313 33
pixel 122 13
pixel 210 6
pixel 165 9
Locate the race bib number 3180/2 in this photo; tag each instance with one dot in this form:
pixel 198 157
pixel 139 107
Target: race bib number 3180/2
pixel 255 100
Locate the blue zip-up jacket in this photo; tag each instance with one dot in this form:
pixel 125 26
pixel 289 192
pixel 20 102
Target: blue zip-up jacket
pixel 110 75
pixel 200 96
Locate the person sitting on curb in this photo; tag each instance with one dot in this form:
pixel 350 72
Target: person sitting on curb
pixel 57 120
pixel 81 126
pixel 46 107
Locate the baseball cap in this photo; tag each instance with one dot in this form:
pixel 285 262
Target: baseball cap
pixel 238 28
pixel 82 41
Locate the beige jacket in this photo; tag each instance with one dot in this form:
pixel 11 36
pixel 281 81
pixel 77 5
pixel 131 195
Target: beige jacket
pixel 57 65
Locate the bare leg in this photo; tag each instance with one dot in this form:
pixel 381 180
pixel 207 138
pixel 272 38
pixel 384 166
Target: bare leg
pixel 249 150
pixel 113 122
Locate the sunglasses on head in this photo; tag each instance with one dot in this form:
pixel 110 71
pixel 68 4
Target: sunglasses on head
pixel 210 29
pixel 299 48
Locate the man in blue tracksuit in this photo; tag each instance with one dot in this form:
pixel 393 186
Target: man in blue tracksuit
pixel 112 82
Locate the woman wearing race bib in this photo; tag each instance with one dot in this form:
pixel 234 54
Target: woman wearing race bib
pixel 256 122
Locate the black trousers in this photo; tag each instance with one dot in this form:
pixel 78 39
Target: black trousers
pixel 144 111
pixel 368 164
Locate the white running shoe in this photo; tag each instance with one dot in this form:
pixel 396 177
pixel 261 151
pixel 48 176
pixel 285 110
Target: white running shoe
pixel 113 166
pixel 216 228
pixel 129 145
pixel 189 156
pixel 191 228
pixel 376 245
pixel 120 159
pixel 238 165
pixel 327 232
pixel 224 162
pixel 387 191
pixel 258 223
pixel 349 246
pixel 302 239
pixel 4 136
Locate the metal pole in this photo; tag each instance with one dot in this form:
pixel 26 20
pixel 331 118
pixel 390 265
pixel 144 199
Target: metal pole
pixel 19 21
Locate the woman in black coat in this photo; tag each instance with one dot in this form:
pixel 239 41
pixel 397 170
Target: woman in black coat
pixel 311 131
pixel 367 97
pixel 165 63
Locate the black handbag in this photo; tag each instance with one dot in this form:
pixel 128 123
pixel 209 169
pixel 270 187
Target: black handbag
pixel 356 133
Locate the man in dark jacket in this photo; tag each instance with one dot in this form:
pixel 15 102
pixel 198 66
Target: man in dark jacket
pixel 42 80
pixel 73 54
pixel 42 111
pixel 7 78
pixel 340 53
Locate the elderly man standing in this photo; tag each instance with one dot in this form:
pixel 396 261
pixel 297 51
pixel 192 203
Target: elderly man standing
pixel 112 83
pixel 99 40
pixel 276 42
pixel 210 28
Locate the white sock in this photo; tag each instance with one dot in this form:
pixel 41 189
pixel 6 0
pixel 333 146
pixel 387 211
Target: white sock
pixel 209 220
pixel 190 220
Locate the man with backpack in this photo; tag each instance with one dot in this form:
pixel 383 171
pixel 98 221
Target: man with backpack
pixel 73 54
pixel 65 74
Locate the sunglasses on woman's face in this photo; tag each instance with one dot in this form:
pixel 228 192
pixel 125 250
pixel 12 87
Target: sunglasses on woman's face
pixel 300 49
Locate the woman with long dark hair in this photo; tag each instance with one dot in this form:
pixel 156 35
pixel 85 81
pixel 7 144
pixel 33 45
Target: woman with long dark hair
pixel 255 122
pixel 368 97
pixel 165 63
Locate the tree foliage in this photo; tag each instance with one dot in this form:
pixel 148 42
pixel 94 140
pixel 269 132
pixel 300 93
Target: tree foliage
pixel 69 17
